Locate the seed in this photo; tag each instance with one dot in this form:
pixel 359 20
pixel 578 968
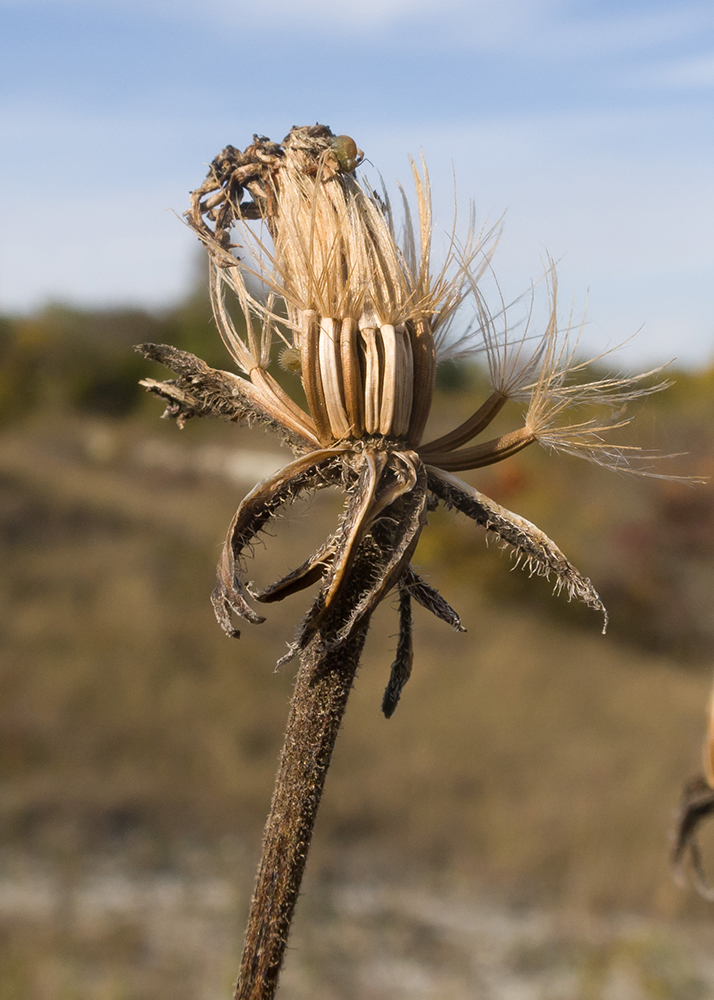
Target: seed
pixel 290 359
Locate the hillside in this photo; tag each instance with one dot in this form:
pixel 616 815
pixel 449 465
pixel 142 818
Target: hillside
pixel 532 763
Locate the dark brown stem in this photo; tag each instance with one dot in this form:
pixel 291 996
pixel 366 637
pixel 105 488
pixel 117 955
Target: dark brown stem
pixel 322 687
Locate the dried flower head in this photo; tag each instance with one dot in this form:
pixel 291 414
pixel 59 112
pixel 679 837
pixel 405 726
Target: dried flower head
pixel 360 315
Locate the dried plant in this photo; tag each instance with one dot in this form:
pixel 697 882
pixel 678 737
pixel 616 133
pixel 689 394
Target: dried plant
pixel 697 805
pixel 361 317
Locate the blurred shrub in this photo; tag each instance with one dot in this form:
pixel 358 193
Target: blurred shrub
pixel 66 359
pixel 83 360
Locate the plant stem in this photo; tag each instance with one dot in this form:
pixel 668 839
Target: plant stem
pixel 323 684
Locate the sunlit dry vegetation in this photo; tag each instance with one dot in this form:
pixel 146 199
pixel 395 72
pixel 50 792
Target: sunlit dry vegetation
pixel 533 758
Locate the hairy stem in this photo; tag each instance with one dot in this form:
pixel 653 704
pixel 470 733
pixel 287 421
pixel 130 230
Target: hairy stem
pixel 322 687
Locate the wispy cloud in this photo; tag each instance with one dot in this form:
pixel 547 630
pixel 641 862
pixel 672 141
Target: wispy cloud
pixel 307 14
pixel 627 31
pixel 543 28
pixel 474 24
pixel 695 73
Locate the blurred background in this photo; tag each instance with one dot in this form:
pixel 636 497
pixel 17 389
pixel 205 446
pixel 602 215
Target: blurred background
pixel 506 834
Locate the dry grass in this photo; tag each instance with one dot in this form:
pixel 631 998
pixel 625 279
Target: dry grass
pixel 532 760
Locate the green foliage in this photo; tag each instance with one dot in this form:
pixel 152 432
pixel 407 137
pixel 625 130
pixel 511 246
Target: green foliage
pixel 83 360
pixel 452 376
pixel 65 359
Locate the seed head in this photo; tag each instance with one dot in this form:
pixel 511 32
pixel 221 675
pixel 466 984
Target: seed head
pixel 362 316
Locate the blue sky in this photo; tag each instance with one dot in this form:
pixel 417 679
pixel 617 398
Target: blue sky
pixel 590 124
